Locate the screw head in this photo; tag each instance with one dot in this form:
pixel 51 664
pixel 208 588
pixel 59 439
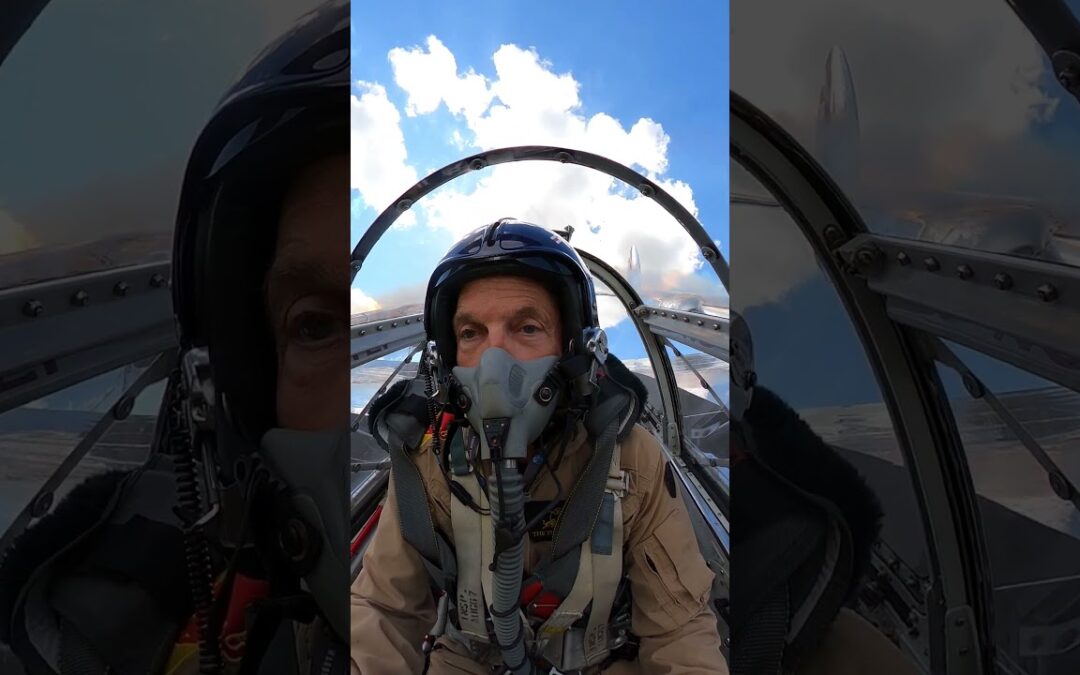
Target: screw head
pixel 545 394
pixel 463 402
pixel 903 258
pixel 646 190
pixel 41 505
pixel 708 253
pixel 123 408
pixel 404 205
pixel 80 298
pixel 33 308
pixel 834 236
pixel 157 281
pixel 477 164
pixel 964 271
pixel 293 539
pixel 866 256
pixel 121 288
pixel 1047 292
pixel 932 264
pixel 1003 281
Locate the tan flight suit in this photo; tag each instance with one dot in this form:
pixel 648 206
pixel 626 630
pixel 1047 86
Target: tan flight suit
pixel 392 607
pixel 853 646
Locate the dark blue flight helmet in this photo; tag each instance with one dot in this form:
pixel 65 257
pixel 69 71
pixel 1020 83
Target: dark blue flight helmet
pixel 513 248
pixel 288 110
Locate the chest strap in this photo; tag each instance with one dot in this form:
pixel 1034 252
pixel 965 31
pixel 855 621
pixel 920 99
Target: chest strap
pixel 589 536
pixel 600 569
pixel 473 547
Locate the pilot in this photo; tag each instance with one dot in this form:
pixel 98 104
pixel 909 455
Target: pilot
pixel 530 522
pixel 226 552
pixel 804 523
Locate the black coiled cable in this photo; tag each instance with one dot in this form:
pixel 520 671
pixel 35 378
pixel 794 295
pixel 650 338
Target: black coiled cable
pixel 196 549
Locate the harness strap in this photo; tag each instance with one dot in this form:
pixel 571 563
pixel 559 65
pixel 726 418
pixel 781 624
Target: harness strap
pixel 606 549
pixel 598 575
pixel 469 527
pixel 417 526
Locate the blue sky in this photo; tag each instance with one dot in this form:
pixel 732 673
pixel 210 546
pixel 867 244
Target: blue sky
pixel 641 76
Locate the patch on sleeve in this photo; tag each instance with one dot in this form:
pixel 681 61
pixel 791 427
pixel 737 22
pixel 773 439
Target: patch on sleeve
pixel 669 480
pixel 544 530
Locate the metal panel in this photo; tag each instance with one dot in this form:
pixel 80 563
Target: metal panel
pixel 1019 310
pixel 60 332
pixel 375 339
pixel 703 332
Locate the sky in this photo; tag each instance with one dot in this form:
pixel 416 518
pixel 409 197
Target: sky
pixel 648 88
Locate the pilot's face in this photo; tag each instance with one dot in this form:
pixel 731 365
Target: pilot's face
pixel 512 313
pixel 308 299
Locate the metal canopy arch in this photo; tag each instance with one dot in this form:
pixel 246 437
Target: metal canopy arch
pixel 921 415
pixel 526 153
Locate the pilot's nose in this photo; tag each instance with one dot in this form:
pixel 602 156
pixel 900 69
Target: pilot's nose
pixel 497 338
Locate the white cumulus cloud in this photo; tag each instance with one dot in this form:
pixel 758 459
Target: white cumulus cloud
pixel 380 166
pixel 528 103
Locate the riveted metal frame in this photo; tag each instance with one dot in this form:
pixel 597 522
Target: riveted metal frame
pixel 922 417
pixel 703 332
pixel 374 339
pixel 526 153
pixel 1019 310
pixel 58 333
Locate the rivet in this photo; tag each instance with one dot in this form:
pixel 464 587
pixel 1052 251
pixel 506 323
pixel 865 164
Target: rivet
pixel 157 281
pixel 708 252
pixel 716 326
pixel 404 205
pixel 866 256
pixel 33 308
pixel 932 264
pixel 903 258
pixel 1003 281
pixel 121 288
pixel 834 236
pixel 80 298
pixel 41 505
pixel 477 164
pixel 700 322
pixel 379 327
pixel 393 324
pixel 964 271
pixel 1047 292
pixel 646 190
pixel 563 157
pixel 686 319
pixel 123 408
pixel 363 333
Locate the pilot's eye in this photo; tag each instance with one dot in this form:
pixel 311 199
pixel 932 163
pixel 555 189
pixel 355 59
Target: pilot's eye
pixel 314 328
pixel 466 334
pixel 531 329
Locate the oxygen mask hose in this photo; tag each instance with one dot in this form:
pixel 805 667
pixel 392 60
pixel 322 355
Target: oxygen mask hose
pixel 509 403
